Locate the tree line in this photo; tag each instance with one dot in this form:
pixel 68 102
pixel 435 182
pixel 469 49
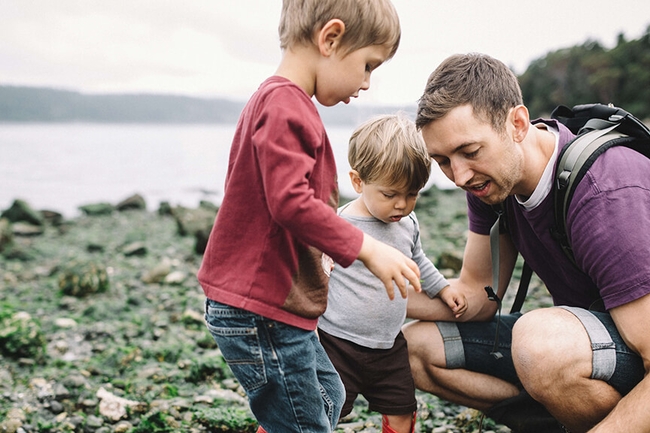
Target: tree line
pixel 591 73
pixel 580 74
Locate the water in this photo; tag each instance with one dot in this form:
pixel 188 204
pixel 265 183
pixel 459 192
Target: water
pixel 61 166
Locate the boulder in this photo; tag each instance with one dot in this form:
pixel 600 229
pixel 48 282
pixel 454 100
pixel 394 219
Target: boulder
pixel 83 278
pixel 52 217
pixel 95 209
pixel 21 211
pixel 26 229
pixel 190 221
pixel 450 260
pixel 136 202
pixel 6 234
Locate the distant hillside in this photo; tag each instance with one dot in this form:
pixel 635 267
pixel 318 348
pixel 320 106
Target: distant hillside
pixel 32 104
pixel 591 73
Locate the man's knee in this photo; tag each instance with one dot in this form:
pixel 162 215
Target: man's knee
pixel 549 343
pixel 425 345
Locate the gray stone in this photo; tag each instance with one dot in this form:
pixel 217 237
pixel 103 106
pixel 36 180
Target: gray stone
pixel 21 211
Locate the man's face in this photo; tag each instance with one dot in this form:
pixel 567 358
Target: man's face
pixel 473 155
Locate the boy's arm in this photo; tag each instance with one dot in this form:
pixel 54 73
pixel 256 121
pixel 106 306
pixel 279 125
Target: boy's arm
pixel 390 266
pixel 475 274
pixel 454 299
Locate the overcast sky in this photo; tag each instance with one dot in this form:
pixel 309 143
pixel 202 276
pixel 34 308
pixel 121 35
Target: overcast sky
pixel 226 48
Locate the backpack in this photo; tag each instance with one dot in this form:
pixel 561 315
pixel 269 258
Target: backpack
pixel 597 128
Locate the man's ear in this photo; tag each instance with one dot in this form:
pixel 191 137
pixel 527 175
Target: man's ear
pixel 521 121
pixel 329 37
pixel 356 181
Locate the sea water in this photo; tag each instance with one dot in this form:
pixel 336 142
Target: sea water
pixel 61 166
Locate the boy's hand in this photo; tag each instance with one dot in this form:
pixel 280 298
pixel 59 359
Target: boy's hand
pixel 390 266
pixel 455 300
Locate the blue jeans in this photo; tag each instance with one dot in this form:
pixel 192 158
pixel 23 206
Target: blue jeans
pixel 291 384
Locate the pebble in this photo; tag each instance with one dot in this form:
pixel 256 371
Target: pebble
pixel 122 427
pixel 65 323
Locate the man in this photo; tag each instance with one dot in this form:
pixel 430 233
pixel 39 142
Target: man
pixel 586 368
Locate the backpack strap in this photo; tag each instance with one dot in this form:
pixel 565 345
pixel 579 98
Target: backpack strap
pixel 499 226
pixel 573 162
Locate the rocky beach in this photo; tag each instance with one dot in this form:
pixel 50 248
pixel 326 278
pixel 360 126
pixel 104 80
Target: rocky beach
pixel 102 329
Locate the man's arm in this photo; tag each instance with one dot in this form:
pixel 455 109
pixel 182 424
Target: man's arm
pixel 632 413
pixel 475 274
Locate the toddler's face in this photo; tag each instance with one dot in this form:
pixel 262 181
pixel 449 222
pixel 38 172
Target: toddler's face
pixel 388 203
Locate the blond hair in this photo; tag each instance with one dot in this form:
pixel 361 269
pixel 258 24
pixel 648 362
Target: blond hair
pixel 389 149
pixel 486 84
pixel 367 22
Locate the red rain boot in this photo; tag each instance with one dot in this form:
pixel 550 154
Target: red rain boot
pixel 386 428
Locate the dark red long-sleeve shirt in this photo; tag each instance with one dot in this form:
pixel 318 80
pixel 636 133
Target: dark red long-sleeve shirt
pixel 278 212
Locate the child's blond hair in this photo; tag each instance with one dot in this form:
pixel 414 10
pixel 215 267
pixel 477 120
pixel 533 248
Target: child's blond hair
pixel 367 22
pixel 389 149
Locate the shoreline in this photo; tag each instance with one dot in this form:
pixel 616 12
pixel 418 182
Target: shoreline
pixel 133 336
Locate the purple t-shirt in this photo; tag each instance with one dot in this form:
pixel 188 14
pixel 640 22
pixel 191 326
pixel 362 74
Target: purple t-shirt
pixel 608 223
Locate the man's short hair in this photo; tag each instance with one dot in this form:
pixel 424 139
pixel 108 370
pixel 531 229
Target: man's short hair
pixel 389 149
pixel 369 22
pixel 479 80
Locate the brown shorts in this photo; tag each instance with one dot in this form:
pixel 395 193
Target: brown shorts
pixel 382 376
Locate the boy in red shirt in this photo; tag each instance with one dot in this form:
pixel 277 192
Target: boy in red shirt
pixel 266 267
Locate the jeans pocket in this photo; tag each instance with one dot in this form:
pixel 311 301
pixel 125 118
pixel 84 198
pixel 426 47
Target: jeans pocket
pixel 239 343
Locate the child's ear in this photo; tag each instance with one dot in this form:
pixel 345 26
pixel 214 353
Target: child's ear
pixel 329 37
pixel 356 181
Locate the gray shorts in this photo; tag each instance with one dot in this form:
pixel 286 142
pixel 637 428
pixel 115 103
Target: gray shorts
pixel 471 345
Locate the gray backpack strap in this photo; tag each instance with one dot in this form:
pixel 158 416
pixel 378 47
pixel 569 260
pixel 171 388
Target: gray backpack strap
pixel 585 148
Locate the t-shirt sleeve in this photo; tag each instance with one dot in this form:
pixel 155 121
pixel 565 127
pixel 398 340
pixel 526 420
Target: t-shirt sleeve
pixel 608 226
pixel 481 216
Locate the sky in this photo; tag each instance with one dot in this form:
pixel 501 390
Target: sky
pixel 226 48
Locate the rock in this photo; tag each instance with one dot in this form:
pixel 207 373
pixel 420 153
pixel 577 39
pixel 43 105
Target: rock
pixel 83 278
pixel 176 277
pixel 114 407
pixel 75 381
pixel 158 273
pixel 226 395
pixel 21 337
pixel 6 234
pixel 60 392
pixel 189 221
pixel 94 248
pixel 97 209
pixel 26 229
pixel 134 249
pixel 10 425
pixel 56 407
pixel 201 238
pixel 21 211
pixel 65 323
pixel 450 260
pixel 52 217
pixel 208 205
pixel 16 413
pixel 122 427
pixel 6 380
pixel 165 208
pixel 136 201
pixel 94 422
pixel 192 317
